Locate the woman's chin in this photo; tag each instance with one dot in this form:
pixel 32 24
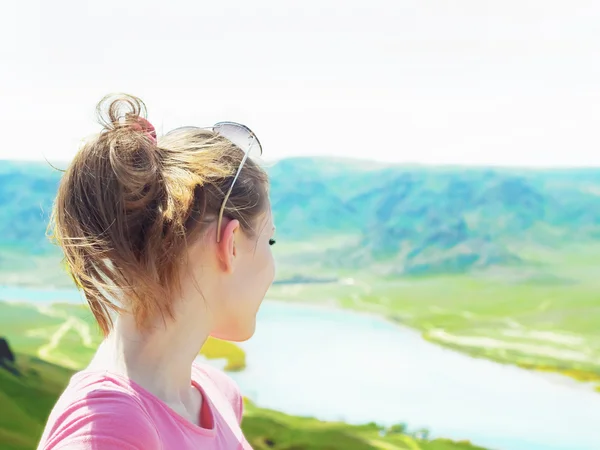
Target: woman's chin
pixel 237 335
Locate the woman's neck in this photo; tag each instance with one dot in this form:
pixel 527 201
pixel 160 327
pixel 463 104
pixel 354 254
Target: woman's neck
pixel 159 360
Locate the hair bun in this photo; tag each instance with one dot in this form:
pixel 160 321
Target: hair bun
pixel 128 144
pixel 117 111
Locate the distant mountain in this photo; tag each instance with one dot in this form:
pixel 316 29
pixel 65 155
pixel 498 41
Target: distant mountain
pixel 438 219
pixel 27 191
pixel 411 220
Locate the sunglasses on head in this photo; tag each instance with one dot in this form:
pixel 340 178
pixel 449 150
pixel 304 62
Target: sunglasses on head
pixel 241 136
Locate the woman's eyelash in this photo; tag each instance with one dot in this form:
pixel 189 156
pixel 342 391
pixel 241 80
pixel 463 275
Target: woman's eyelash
pixel 272 241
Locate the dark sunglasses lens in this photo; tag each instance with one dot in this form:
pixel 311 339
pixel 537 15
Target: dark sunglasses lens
pixel 241 136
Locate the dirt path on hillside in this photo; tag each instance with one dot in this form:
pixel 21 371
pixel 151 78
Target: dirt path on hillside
pixel 45 352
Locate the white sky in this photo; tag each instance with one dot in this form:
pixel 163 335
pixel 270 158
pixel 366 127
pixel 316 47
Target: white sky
pixel 512 82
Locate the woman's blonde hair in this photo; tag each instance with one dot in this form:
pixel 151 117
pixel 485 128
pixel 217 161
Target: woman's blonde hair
pixel 128 205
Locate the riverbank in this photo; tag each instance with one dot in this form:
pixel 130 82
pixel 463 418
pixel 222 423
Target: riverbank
pixel 537 323
pixel 478 347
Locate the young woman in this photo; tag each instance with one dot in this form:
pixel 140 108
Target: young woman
pixel 169 240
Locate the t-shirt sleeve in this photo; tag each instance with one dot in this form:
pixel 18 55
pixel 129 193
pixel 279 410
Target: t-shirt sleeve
pixel 239 407
pixel 226 386
pixel 102 420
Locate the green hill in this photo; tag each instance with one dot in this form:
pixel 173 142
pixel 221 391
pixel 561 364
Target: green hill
pixel 27 398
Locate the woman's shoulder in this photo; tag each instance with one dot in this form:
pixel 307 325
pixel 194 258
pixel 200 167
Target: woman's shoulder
pixel 97 409
pixel 222 384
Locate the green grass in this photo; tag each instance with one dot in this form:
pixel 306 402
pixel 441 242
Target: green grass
pixel 267 429
pixel 27 328
pixel 27 399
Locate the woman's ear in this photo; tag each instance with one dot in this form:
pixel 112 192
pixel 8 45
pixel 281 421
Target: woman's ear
pixel 226 249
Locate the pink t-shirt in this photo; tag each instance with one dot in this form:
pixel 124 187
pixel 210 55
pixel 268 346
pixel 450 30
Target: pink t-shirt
pixel 103 411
